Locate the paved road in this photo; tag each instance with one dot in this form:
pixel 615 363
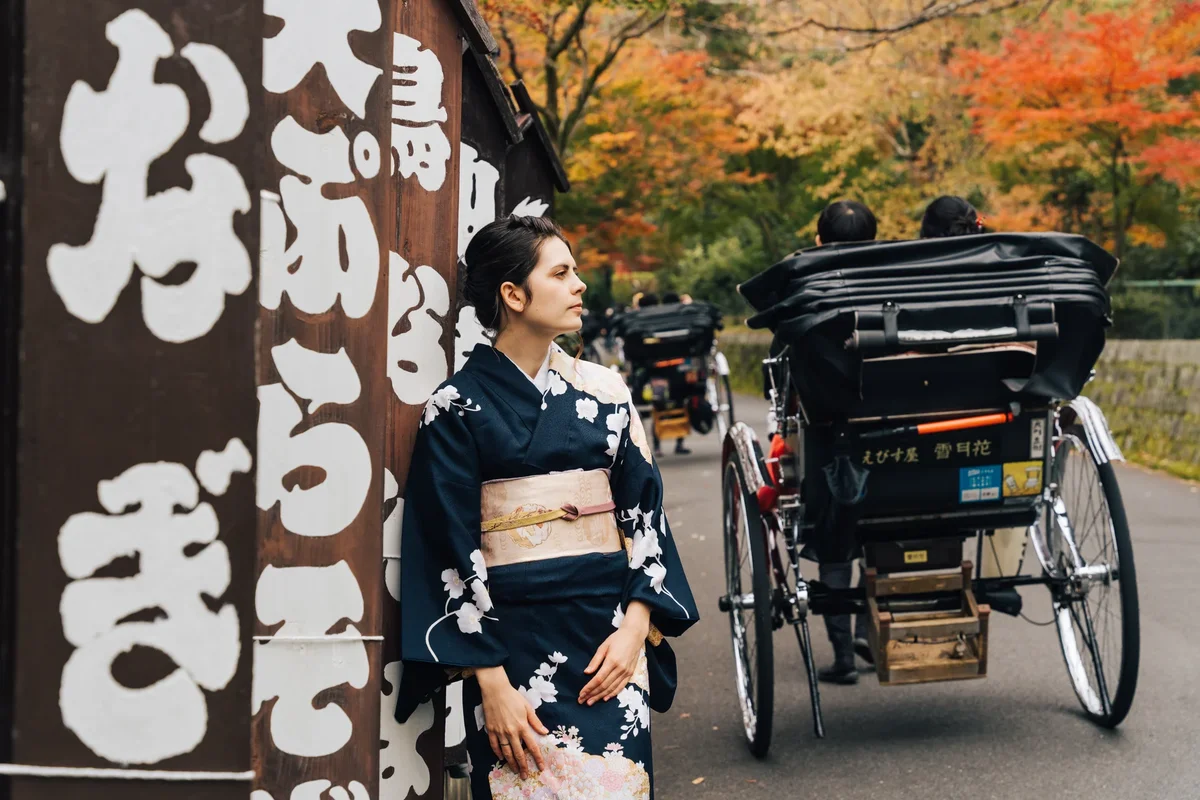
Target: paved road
pixel 1017 734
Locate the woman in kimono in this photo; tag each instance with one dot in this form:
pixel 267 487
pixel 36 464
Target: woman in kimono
pixel 537 563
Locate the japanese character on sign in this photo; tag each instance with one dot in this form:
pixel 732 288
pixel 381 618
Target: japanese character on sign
pixel 154 515
pixel 942 451
pixel 335 448
pixel 981 447
pixel 911 456
pixel 308 601
pixel 113 137
pixel 318 33
pixel 419 143
pixel 310 270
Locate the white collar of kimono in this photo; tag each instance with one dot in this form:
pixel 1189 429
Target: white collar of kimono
pixel 542 380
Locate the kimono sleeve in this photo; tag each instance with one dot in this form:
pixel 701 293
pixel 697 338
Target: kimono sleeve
pixel 446 613
pixel 656 575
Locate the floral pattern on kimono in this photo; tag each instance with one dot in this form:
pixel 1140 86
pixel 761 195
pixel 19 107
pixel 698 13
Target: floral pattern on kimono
pixel 541 620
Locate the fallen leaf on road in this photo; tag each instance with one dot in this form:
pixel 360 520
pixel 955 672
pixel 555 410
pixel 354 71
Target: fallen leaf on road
pixel 698 781
pixel 715 728
pixel 751 780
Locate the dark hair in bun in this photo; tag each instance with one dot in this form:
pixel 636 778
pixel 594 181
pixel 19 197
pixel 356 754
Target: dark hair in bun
pixel 846 221
pixel 503 251
pixel 950 216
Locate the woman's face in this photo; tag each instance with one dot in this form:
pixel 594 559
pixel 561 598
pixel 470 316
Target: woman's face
pixel 554 303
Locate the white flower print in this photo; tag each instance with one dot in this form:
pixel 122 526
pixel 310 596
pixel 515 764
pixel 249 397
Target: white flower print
pixel 618 617
pixel 469 615
pixel 544 688
pixel 637 712
pixel 645 547
pixel 479 564
pixel 587 408
pixel 616 422
pixel 468 618
pixel 541 690
pixel 443 400
pixel 555 387
pixel 614 748
pixel 656 572
pixel 646 551
pixel 479 594
pixel 454 584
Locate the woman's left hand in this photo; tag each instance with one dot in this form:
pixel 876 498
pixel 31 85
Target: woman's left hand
pixel 617 658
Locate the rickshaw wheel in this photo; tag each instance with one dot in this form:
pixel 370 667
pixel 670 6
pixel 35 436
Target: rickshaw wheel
pixel 1087 543
pixel 748 588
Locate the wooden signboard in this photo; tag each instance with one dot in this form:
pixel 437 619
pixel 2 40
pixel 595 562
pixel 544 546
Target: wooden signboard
pixel 329 214
pixel 137 420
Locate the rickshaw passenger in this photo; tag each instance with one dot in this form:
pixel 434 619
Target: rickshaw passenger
pixel 843 221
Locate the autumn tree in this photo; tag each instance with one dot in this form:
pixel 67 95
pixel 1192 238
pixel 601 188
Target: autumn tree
pixel 1102 110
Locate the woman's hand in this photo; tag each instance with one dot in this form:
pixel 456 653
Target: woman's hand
pixel 512 726
pixel 617 658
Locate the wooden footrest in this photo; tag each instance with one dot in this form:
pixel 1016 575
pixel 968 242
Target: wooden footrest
pixel 921 647
pixel 671 424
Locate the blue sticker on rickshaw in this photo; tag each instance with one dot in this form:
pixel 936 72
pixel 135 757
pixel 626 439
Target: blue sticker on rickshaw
pixel 979 484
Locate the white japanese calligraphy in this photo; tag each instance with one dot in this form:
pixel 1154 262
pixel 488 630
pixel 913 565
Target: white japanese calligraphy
pixel 169 717
pixel 418 141
pixel 310 270
pixel 477 181
pixel 401 767
pixel 418 303
pixel 333 448
pixel 317 32
pixel 114 136
pixel 309 601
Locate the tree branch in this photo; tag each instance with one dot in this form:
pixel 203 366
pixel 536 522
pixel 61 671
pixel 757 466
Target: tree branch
pixel 555 48
pixel 931 13
pixel 635 29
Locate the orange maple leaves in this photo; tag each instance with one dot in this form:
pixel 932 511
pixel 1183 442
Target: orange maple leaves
pixel 1112 83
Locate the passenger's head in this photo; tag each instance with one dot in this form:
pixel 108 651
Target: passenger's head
pixel 648 299
pixel 845 221
pixel 520 270
pixel 670 297
pixel 950 216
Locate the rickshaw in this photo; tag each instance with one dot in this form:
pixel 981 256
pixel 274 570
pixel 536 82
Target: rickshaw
pixel 922 396
pixel 674 368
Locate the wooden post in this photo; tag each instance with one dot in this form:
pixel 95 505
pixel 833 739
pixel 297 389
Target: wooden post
pixel 426 123
pixel 12 69
pixel 329 215
pixel 135 494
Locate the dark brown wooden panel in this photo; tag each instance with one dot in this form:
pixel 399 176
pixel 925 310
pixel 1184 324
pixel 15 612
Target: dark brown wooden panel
pixel 137 348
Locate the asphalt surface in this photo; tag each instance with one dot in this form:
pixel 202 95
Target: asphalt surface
pixel 1019 733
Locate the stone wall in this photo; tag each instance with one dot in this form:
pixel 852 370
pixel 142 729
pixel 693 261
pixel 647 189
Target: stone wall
pixel 1150 391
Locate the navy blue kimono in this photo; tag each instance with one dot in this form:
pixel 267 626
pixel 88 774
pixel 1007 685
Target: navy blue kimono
pixel 543 620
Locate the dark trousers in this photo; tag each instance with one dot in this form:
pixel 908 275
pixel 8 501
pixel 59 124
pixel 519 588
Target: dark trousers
pixel 837 576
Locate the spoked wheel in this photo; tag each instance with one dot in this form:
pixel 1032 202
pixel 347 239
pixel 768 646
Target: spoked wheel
pixel 1086 542
pixel 720 394
pixel 748 601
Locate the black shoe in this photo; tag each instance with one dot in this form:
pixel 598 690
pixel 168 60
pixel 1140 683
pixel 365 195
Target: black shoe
pixel 838 673
pixel 680 450
pixel 863 649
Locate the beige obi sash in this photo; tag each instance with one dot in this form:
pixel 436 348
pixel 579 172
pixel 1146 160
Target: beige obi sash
pixel 548 516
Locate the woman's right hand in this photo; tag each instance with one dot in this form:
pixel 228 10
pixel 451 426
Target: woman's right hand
pixel 511 724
